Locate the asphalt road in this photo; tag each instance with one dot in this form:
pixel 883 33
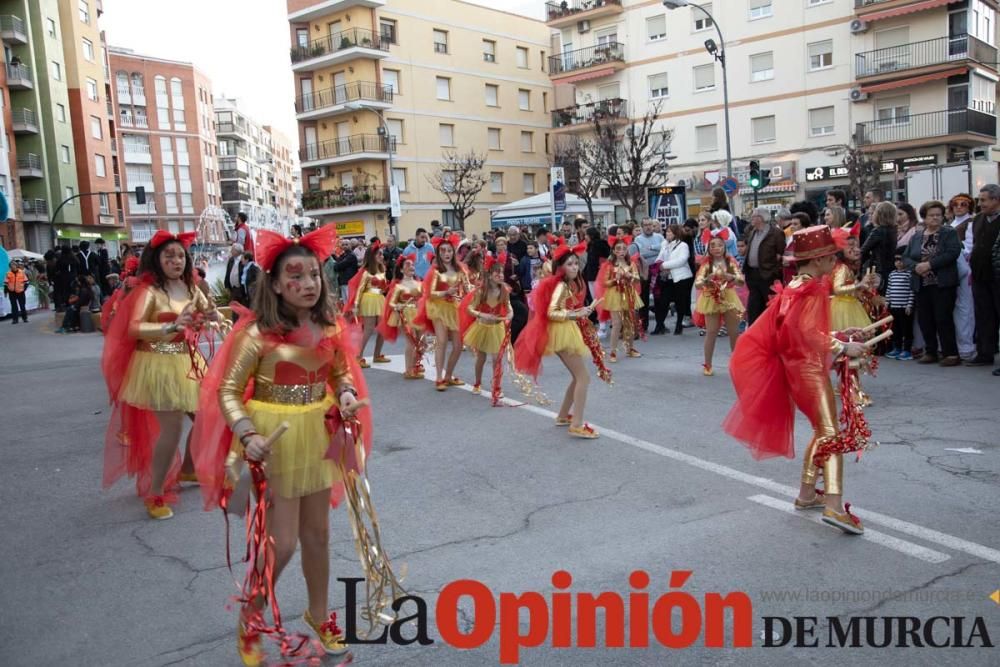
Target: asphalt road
pixel 503 497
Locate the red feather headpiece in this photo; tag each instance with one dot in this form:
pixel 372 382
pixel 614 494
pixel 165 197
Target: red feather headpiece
pixel 270 245
pixel 163 236
pixel 404 258
pixel 564 250
pixel 492 261
pixel 453 239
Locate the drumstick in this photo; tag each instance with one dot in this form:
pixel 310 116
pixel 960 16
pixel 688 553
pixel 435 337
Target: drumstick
pixel 872 342
pixel 278 432
pixel 877 325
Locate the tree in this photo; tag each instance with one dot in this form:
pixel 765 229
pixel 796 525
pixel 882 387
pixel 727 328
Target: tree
pixel 581 159
pixel 863 171
pixel 460 179
pixel 634 160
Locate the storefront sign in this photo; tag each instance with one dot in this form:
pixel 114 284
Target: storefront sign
pixel 353 228
pixel 888 167
pixel 668 205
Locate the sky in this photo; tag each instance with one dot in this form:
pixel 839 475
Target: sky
pixel 241 45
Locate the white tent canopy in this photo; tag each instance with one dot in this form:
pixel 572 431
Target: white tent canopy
pixel 536 210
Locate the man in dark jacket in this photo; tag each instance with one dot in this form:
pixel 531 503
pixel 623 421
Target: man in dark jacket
pixel 985 281
pixel 233 278
pixel 765 246
pixel 345 266
pixel 391 253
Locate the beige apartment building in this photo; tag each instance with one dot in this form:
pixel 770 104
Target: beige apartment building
pixel 443 75
pixel 914 80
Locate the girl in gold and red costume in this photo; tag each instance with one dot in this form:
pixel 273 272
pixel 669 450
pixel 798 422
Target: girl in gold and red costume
pixel 851 294
pixel 444 287
pixel 366 300
pixel 717 280
pixel 616 291
pixel 288 363
pixel 473 266
pixel 560 325
pixel 152 365
pixel 400 313
pixel 484 320
pixel 784 361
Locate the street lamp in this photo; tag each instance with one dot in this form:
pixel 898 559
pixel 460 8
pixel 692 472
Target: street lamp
pixel 384 130
pixel 718 51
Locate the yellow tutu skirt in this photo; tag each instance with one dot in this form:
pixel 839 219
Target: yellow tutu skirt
pixel 371 305
pixel 847 312
pixel 485 337
pixel 566 337
pixel 706 305
pixel 297 466
pixel 440 310
pixel 156 381
pixel 397 319
pixel 614 300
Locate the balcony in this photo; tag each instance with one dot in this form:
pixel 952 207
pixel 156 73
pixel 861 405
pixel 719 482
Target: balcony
pixel 111 110
pixel 873 10
pixel 568 12
pixel 233 175
pixel 12 30
pixel 19 77
pixel 124 95
pixel 588 63
pixel 30 166
pixel 138 154
pixel 24 121
pixel 964 127
pixel 349 149
pixel 114 147
pixel 345 200
pixel 338 48
pixel 333 101
pixel 35 210
pixel 138 96
pixel 315 9
pixel 581 118
pixel 919 58
pixel 128 120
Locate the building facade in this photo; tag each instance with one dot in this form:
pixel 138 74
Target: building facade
pixel 413 79
pixel 913 81
pixel 11 228
pixel 286 165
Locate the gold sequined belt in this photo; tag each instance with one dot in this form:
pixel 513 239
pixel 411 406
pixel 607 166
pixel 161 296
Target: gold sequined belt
pixel 164 347
pixel 373 290
pixel 291 394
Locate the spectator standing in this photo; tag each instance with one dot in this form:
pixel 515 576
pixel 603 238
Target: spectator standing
pixel 906 225
pixel 424 254
pixel 765 248
pixel 648 244
pixel 675 279
pixel 879 249
pixel 346 266
pixel 899 297
pixel 64 280
pixel 232 280
pixel 242 233
pixel 248 279
pixel 15 285
pixel 985 281
pixel 516 245
pixel 390 253
pixel 960 208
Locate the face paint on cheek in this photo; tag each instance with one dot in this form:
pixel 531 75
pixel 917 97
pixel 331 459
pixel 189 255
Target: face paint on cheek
pixel 294 286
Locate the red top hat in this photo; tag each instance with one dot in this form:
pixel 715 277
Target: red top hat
pixel 813 242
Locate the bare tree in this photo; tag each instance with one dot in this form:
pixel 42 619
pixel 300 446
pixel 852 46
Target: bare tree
pixel 634 159
pixel 863 170
pixel 581 159
pixel 460 179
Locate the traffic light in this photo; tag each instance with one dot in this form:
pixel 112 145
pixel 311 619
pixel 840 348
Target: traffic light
pixel 140 195
pixel 765 178
pixel 755 178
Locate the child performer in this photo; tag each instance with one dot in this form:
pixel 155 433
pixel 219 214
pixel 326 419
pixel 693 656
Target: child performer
pixel 474 267
pixel 485 323
pixel 717 279
pixel 560 325
pixel 151 365
pixel 783 361
pixel 399 313
pixel 444 287
pixel 616 285
pixel 366 299
pixel 847 310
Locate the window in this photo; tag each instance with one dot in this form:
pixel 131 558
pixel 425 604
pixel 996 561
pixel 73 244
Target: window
pixel 821 55
pixel 762 129
pixel 443 88
pixel 50 27
pixel 166 150
pixel 100 166
pixel 527 142
pixel 162 103
pixel 701 20
pixel 489 51
pixel 446 134
pixel 92 90
pixel 177 102
pixel 440 41
pixel 56 71
pixel 84 11
pixel 658 86
pixel 96 128
pixel 893 110
pixel 88 50
pixel 704 77
pixel 70 193
pixel 522 57
pixel 760 9
pixel 105 204
pixel 187 203
pixel 493 135
pixel 706 138
pixel 496 182
pixel 302 37
pixel 395 126
pixel 528 181
pixel 387 30
pixel 656 27
pixel 448 179
pixel 399 178
pixel 61 113
pixel 64 154
pixel 813 3
pixel 390 77
pixel 524 99
pixel 762 66
pixel 820 121
pixel 492 95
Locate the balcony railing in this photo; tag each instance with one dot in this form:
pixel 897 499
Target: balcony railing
pixel 35 208
pixel 141 149
pixel 111 109
pixel 354 144
pixel 230 128
pixel 339 41
pixel 926 125
pixel 12 27
pixel 559 10
pixel 230 174
pixel 859 4
pixel 29 161
pixel 938 51
pixel 590 56
pixel 350 92
pixel 25 118
pixel 19 73
pixel 581 114
pixel 345 196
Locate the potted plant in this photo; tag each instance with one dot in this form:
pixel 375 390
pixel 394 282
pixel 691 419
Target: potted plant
pixel 345 43
pixel 317 50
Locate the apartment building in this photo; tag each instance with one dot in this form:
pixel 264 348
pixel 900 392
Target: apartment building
pixel 283 197
pixel 913 80
pixel 412 79
pixel 166 144
pixel 11 229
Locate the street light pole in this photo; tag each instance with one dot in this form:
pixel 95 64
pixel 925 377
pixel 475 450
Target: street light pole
pixel 355 106
pixel 55 214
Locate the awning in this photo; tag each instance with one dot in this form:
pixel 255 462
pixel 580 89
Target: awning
pixel 914 81
pixel 908 9
pixel 583 76
pixel 784 185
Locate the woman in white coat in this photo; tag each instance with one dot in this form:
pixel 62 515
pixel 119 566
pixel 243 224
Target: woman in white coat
pixel 674 281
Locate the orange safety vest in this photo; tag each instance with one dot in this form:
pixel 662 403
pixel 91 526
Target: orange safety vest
pixel 16 281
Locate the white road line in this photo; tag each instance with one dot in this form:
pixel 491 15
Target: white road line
pixel 888 541
pixel 928 534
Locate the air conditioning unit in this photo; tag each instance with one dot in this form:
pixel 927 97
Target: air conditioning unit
pixel 857 25
pixel 980 154
pixel 323 173
pixel 857 95
pixel 583 26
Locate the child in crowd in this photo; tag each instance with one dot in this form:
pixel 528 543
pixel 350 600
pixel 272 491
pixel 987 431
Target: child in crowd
pixel 899 295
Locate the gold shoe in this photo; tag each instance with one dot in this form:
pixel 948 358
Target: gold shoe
pixel 382 359
pixel 477 389
pixel 329 634
pixel 413 375
pixel 363 363
pixel 158 509
pixel 564 422
pixel 613 358
pixel 249 646
pixel 707 370
pixel 847 522
pixel 455 382
pixel 585 432
pixel 634 354
pixel 816 503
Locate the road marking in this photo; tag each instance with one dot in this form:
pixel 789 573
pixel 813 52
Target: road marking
pixel 888 541
pixel 911 529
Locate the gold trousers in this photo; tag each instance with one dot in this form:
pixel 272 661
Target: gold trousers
pixel 824 428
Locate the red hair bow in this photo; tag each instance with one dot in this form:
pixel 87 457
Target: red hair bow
pixel 453 239
pixel 563 250
pixel 492 261
pixel 163 236
pixel 270 245
pixel 841 234
pixel 376 244
pixel 613 240
pixel 403 258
